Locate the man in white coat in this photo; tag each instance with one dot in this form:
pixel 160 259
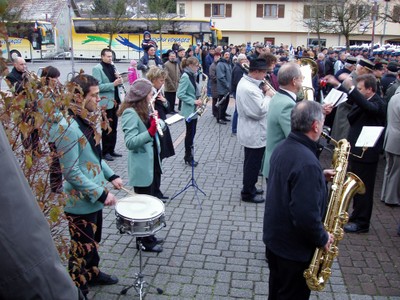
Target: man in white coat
pixel 252 99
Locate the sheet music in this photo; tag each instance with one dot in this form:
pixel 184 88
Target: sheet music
pixel 173 119
pixel 335 97
pixel 369 136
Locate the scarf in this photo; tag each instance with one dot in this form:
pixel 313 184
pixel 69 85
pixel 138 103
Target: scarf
pixel 192 77
pixel 109 70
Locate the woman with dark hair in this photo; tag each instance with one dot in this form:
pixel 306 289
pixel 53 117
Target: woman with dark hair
pixel 189 93
pixel 50 78
pixel 142 141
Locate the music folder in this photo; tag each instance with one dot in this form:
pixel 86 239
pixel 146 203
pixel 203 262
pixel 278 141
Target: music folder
pixel 335 97
pixel 173 119
pixel 369 136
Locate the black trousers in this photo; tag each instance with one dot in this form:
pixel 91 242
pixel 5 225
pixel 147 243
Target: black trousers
pixel 223 106
pixel 85 232
pixel 171 96
pixel 55 170
pixel 362 204
pixel 286 281
pixel 109 140
pixel 189 138
pixel 251 167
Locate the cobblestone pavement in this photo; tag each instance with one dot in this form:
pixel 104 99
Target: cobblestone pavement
pixel 214 247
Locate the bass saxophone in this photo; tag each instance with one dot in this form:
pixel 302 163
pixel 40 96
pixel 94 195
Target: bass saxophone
pixel 344 186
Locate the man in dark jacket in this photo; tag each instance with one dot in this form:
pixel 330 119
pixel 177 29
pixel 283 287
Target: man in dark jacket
pixel 237 74
pixel 16 76
pixel 224 76
pixel 368 109
pixel 295 204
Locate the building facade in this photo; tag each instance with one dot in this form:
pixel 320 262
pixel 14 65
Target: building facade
pixel 284 22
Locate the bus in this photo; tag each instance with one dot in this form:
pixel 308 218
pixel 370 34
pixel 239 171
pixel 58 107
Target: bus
pixel 29 39
pixel 90 36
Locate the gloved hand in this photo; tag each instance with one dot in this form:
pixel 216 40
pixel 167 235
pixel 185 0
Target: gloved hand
pixel 153 127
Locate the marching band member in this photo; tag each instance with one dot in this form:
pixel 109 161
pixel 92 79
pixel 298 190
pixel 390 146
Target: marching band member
pixel 142 142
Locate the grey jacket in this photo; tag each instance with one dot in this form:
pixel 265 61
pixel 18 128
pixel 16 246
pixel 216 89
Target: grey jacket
pixel 224 76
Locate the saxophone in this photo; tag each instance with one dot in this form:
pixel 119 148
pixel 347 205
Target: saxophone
pixel 204 100
pixel 345 185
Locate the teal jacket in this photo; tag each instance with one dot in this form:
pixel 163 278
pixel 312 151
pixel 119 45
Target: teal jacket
pixel 187 94
pixel 107 88
pixel 278 125
pixel 85 176
pixel 140 146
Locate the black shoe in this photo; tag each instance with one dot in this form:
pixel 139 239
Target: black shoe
pixel 191 162
pixel 108 157
pixel 259 191
pixel 160 241
pixel 255 199
pixel 221 122
pixel 226 119
pixel 228 115
pixel 115 154
pixel 155 248
pixel 355 228
pixel 392 204
pixel 103 279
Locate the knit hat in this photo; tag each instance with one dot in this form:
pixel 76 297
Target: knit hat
pixel 133 63
pixel 139 90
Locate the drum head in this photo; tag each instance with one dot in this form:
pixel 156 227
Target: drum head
pixel 140 207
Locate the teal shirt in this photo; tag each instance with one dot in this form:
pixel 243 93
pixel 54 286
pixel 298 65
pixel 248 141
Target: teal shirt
pixel 107 88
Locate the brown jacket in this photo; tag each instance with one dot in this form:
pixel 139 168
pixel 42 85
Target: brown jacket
pixel 174 74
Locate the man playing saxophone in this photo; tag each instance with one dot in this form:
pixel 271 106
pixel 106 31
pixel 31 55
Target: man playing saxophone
pixel 295 204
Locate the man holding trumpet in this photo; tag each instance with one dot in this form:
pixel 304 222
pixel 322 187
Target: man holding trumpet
pixel 252 100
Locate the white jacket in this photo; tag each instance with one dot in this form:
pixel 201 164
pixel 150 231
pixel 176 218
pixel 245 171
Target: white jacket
pixel 252 107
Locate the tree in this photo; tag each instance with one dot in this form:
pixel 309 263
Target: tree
pixel 163 10
pixel 9 12
pixel 112 15
pixel 391 13
pixel 341 17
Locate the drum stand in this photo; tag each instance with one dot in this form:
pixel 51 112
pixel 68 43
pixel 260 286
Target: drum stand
pixel 139 282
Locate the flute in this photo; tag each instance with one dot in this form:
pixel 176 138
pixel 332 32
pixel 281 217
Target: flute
pixel 121 87
pixel 151 108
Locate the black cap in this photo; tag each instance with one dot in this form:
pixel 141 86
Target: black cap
pixel 378 66
pixel 258 64
pixel 366 64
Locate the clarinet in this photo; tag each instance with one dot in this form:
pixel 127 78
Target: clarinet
pixel 121 87
pixel 151 108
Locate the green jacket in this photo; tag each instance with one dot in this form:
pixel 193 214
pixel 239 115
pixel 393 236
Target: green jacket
pixel 85 176
pixel 278 125
pixel 140 146
pixel 187 94
pixel 107 88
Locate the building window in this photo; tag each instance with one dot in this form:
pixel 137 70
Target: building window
pixel 396 13
pixel 270 11
pixel 218 10
pixel 360 12
pixel 181 9
pixel 317 12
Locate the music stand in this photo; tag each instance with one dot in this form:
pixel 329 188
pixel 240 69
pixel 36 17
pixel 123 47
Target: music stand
pixel 192 182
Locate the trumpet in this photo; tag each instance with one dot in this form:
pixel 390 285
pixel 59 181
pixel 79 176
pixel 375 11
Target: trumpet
pixel 152 110
pixel 264 83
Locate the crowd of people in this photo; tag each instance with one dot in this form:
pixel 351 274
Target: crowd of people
pixel 278 130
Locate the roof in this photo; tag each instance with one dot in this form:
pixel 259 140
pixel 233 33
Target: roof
pixel 43 10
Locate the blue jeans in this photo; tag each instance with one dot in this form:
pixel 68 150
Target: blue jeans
pixel 235 120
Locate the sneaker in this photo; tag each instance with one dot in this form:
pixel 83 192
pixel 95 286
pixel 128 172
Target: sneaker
pixel 104 279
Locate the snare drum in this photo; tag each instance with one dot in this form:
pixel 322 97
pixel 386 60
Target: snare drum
pixel 140 215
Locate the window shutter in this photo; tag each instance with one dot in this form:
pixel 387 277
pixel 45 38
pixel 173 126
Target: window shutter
pixel 281 11
pixel 396 13
pixel 260 11
pixel 228 13
pixel 328 13
pixel 207 10
pixel 306 12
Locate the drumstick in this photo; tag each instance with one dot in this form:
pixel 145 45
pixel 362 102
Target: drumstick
pixel 128 191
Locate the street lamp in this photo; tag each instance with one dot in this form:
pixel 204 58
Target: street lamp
pixel 374 12
pixel 384 21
